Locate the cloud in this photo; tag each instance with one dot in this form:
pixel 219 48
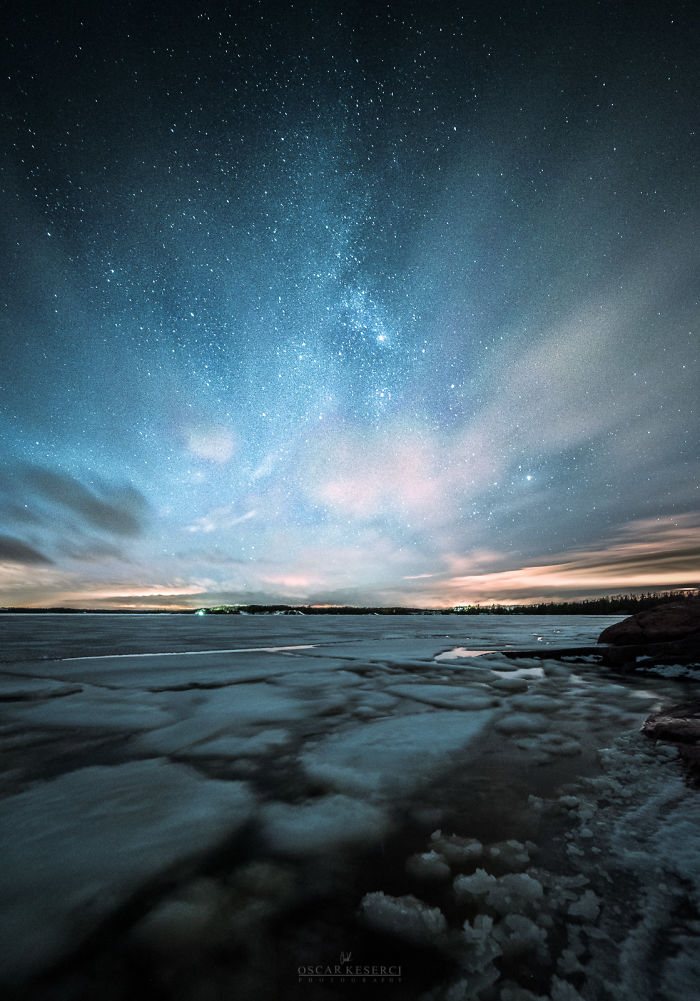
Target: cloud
pixel 118 511
pixel 387 473
pixel 14 551
pixel 131 592
pixel 219 519
pixel 215 444
pixel 646 553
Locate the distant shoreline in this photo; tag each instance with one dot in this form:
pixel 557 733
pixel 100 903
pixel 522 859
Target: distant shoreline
pixel 622 604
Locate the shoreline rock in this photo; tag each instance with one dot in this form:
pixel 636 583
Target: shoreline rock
pixel 679 726
pixel 665 634
pixel 661 624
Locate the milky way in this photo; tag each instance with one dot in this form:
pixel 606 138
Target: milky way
pixel 348 303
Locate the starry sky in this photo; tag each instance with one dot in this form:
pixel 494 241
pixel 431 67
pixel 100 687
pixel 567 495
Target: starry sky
pixel 348 302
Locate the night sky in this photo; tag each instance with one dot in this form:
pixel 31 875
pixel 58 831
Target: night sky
pixel 364 303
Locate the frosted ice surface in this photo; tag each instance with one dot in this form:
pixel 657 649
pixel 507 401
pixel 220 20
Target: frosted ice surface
pixel 321 825
pixel 393 755
pixel 75 848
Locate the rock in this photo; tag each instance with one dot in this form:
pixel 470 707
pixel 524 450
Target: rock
pixel 662 623
pixel 680 727
pixel 645 656
pixel 678 723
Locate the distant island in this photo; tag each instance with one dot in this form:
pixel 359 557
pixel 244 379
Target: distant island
pixel 619 604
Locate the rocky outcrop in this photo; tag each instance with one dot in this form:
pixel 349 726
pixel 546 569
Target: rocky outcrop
pixel 680 724
pixel 663 623
pixel 666 634
pixel 680 727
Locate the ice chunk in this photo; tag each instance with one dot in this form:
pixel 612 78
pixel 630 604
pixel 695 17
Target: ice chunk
pixel 477 886
pixel 521 723
pixel 531 670
pixel 512 893
pixel 444 696
pixel 316 679
pixel 681 973
pixel 562 990
pixel 511 854
pixel 482 945
pixel 378 700
pixel 192 918
pixel 428 865
pixel 223 711
pixel 515 892
pixel 514 992
pixel 588 907
pixel 321 825
pixel 508 684
pixel 20 689
pixel 568 962
pixel 91 706
pixel 77 847
pixel 406 917
pixel 394 755
pixel 206 913
pixel 456 849
pixel 518 935
pixel 536 703
pixel 249 746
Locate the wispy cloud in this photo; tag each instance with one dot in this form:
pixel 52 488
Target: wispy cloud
pixel 16 551
pixel 219 520
pixel 646 553
pixel 115 510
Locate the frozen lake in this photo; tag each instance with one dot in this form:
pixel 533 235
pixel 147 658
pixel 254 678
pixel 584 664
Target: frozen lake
pixel 231 806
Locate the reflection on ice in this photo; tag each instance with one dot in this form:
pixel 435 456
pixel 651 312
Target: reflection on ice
pixel 198 653
pixel 459 652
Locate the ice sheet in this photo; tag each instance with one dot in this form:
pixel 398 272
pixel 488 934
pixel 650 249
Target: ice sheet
pixel 360 737
pixel 77 847
pixel 392 756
